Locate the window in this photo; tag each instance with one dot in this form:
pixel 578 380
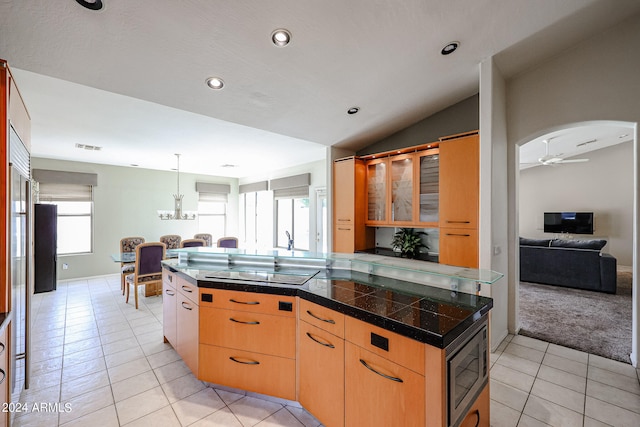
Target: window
pixel 75 214
pixel 212 208
pixel 292 210
pixel 256 213
pixel 212 218
pixel 292 218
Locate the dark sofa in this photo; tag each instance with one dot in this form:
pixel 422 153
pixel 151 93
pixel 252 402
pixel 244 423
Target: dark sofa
pixel 571 263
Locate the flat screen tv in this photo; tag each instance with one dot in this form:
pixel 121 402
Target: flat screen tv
pixel 568 222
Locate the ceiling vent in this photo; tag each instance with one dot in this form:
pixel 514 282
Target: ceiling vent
pixel 89 147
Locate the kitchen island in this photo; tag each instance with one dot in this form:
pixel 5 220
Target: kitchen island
pixel 356 339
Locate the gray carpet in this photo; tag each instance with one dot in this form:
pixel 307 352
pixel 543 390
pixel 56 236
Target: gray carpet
pixel 588 321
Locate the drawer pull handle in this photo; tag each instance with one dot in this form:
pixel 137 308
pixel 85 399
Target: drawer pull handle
pixel 320 342
pixel 477 414
pixel 2 347
pixel 186 306
pixel 333 322
pixel 168 292
pixel 458 222
pixel 4 375
pixel 389 377
pixel 459 235
pixel 249 362
pixel 344 229
pixel 187 289
pixel 245 323
pixel 245 302
pixel 344 219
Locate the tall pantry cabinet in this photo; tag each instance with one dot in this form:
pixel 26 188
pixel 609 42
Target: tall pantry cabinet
pixel 459 200
pixel 349 231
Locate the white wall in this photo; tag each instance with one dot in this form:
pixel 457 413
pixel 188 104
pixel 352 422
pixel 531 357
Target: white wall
pixel 595 80
pixel 604 186
pixel 125 204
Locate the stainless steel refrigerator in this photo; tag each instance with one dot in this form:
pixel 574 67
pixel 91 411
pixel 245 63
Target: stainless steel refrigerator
pixel 20 262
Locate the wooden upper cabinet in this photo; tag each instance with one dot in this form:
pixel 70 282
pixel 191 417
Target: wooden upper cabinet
pixel 345 191
pixel 349 205
pixel 401 187
pixel 459 182
pixel 377 198
pixel 427 179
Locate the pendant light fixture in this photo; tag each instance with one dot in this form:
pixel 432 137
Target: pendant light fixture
pixel 177 211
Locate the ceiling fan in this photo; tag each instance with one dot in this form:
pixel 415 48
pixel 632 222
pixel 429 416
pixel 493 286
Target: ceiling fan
pixel 555 159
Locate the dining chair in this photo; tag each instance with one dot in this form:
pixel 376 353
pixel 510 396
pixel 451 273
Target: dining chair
pixel 208 238
pixel 128 245
pixel 171 240
pixel 228 242
pixel 192 243
pixel 148 268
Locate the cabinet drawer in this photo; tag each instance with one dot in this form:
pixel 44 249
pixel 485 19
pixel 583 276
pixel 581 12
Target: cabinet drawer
pixel 459 246
pixel 478 415
pixel 322 317
pixel 248 301
pixel 169 319
pixel 401 350
pixel 256 372
pixel 258 332
pixel 381 393
pixel 169 277
pixel 187 289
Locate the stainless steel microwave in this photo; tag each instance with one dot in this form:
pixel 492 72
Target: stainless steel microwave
pixel 467 372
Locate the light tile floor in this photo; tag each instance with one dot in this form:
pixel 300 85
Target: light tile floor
pixel 107 361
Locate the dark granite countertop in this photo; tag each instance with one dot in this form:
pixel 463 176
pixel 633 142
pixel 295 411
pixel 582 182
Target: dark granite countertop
pixel 428 314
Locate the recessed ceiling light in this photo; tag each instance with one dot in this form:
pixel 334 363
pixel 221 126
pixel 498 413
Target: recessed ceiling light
pixel 281 37
pixel 228 165
pixel 91 4
pixel 450 48
pixel 624 135
pixel 134 165
pixel 353 110
pixel 215 83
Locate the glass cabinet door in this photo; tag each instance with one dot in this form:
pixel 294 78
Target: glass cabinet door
pixel 377 191
pixel 429 178
pixel 401 188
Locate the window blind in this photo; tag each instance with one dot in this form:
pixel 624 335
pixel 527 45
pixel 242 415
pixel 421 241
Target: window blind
pixel 55 192
pixel 292 193
pixel 209 192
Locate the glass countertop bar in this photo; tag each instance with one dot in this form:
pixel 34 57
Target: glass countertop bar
pixel 425 272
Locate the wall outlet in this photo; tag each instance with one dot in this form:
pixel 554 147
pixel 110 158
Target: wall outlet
pixel 65 266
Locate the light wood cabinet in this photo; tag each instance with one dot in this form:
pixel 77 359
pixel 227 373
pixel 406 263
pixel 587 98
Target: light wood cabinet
pixel 401 189
pixel 459 201
pixel 349 204
pixel 248 341
pixel 427 179
pixel 321 373
pixel 379 392
pixel 322 317
pixel 377 197
pixel 264 333
pixel 187 322
pixel 257 372
pixel 459 246
pixel 169 305
pixel 187 331
pixel 459 182
pixel 478 415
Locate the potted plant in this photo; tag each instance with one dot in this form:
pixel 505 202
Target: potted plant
pixel 408 242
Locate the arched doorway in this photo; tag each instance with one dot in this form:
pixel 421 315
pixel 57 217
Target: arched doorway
pixel 569 143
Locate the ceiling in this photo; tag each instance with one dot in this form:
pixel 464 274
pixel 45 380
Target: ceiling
pixel 130 78
pixel 573 142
